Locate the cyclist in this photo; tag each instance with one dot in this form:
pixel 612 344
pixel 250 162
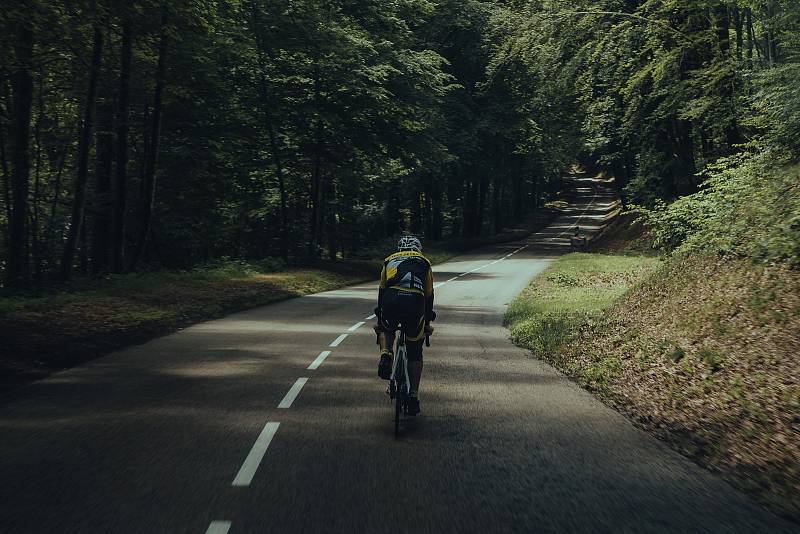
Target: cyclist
pixel 405 299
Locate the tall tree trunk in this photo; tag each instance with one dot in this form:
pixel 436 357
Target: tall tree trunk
pixel 748 13
pixel 316 199
pixel 121 175
pixel 497 219
pixel 79 200
pixel 22 87
pixel 437 208
pixel 273 142
pixel 35 220
pixel 682 146
pixel 276 158
pixel 470 208
pixel 102 188
pixel 317 186
pixel 6 179
pixel 149 178
pixel 483 193
pixel 739 24
pixel 331 226
pixel 415 224
pixel 57 187
pixel 772 40
pixel 517 193
pixel 723 22
pixel 427 218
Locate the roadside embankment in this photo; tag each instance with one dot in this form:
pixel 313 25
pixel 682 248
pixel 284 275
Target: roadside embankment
pixel 701 351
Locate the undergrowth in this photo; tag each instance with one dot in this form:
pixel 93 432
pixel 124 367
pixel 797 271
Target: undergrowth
pixel 748 207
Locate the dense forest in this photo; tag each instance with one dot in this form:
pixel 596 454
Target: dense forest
pixel 166 133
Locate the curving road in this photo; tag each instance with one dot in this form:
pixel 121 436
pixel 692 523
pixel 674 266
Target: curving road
pixel 272 420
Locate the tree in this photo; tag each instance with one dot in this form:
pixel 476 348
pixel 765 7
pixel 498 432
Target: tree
pixel 120 189
pixel 22 89
pixel 79 199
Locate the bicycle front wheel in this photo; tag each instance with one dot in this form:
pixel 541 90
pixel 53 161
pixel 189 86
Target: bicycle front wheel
pixel 398 409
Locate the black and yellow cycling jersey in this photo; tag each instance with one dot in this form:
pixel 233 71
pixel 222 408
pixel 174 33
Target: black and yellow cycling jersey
pixel 408 271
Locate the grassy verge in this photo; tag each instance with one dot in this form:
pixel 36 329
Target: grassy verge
pixel 46 333
pixel 571 293
pixel 700 351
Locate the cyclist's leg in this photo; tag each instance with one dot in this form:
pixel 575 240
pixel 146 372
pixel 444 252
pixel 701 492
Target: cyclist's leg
pixel 414 338
pixel 387 325
pixel 386 340
pixel 414 351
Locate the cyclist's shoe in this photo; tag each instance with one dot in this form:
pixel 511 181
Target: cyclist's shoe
pixel 413 406
pixel 385 365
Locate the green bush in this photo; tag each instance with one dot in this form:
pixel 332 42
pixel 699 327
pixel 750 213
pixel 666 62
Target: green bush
pixel 747 208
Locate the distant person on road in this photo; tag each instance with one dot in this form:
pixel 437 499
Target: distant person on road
pixel 405 300
pixel 578 241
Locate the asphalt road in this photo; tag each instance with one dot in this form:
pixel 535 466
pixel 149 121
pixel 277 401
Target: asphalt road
pixel 209 430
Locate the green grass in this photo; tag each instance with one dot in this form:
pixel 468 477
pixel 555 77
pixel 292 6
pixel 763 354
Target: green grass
pixel 89 318
pixel 572 292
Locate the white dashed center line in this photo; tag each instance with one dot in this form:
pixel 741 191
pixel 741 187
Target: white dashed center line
pixel 248 470
pixel 338 340
pixel 321 358
pixel 219 527
pixel 293 393
pixel 440 284
pixel 245 475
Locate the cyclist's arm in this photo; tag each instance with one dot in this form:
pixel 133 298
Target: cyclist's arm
pixel 382 286
pixel 429 295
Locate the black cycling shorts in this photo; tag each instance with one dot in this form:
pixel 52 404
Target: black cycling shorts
pixel 405 310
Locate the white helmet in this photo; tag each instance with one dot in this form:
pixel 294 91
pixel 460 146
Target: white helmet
pixel 409 242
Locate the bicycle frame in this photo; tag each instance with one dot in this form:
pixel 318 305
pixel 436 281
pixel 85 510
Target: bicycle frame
pixel 399 386
pixel 399 382
pixel 400 365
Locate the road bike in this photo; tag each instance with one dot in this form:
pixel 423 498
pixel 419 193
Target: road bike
pixel 400 381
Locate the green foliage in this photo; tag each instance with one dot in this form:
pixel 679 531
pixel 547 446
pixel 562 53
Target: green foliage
pixel 305 129
pixel 292 129
pixel 677 354
pixel 747 207
pixel 712 357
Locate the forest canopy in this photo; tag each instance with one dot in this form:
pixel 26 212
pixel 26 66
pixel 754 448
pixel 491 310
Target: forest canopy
pixel 166 133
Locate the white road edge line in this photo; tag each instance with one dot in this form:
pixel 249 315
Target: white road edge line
pixel 371 317
pixel 245 475
pixel 321 358
pixel 438 284
pixel 335 342
pixel 452 279
pixel 356 326
pixel 293 393
pixel 219 527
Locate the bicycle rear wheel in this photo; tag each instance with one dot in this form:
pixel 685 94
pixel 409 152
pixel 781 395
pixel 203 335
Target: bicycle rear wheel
pixel 398 409
pixel 401 377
